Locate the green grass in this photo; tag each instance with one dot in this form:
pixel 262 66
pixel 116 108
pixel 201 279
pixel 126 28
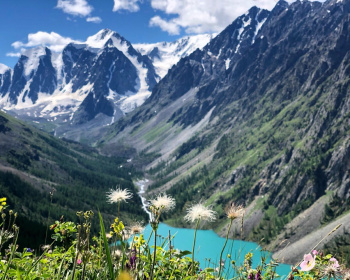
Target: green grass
pixel 154 133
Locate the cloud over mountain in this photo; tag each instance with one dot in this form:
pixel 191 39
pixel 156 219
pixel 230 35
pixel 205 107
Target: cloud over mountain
pixel 55 41
pixel 202 16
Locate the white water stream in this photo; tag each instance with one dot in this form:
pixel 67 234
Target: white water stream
pixel 141 193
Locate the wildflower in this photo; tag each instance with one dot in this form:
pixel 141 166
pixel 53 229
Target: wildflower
pixel 118 195
pixel 346 275
pixel 136 228
pixel 124 276
pixel 314 252
pixel 117 254
pixel 334 262
pixel 308 263
pixel 199 212
pixel 117 226
pixel 79 261
pixel 132 260
pixel 139 241
pixel 248 260
pixel 45 247
pixel 258 276
pixel 234 211
pixel 2 203
pixel 330 271
pixel 163 203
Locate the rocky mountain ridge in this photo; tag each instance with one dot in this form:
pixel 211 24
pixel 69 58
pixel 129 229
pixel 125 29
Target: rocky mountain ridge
pixel 259 117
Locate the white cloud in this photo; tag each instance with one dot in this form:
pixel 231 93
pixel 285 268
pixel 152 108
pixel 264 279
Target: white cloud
pixel 168 26
pixel 75 7
pixel 11 54
pixel 52 40
pixel 129 5
pixel 94 19
pixel 202 16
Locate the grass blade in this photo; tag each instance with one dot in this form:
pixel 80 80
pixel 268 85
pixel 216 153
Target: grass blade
pixel 108 254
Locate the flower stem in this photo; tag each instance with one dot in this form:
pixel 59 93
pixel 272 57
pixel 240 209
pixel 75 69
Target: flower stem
pixel 154 253
pixel 194 244
pixel 222 251
pixel 118 209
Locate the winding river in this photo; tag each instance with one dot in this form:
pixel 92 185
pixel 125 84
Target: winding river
pixel 209 244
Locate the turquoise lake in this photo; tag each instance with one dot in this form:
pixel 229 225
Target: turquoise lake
pixel 209 246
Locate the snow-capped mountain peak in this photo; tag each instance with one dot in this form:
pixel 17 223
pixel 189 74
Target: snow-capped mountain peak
pixel 101 38
pixel 166 54
pixel 32 59
pixel 3 68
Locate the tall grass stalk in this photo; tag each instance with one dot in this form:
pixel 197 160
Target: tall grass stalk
pixel 108 254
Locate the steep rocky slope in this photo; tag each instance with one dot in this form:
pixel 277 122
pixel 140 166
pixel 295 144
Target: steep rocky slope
pixel 260 116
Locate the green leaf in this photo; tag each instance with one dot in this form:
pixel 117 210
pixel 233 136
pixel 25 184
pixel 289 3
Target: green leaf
pixel 183 253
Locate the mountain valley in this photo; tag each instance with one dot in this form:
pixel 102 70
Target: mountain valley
pixel 44 178
pixel 256 115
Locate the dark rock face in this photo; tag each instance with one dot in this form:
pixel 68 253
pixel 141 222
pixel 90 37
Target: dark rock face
pixel 5 82
pixel 44 79
pixel 18 80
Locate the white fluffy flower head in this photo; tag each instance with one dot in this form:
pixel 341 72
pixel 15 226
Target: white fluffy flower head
pixel 136 228
pixel 233 212
pixel 118 195
pixel 200 212
pixel 163 203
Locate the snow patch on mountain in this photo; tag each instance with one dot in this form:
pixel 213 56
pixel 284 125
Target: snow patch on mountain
pixel 32 62
pixel 166 54
pixel 142 86
pixel 57 63
pixel 3 68
pixel 258 27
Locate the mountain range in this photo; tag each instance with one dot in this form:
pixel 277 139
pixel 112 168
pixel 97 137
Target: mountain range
pixel 258 116
pixel 95 82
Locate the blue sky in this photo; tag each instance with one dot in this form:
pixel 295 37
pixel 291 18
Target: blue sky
pixel 55 22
